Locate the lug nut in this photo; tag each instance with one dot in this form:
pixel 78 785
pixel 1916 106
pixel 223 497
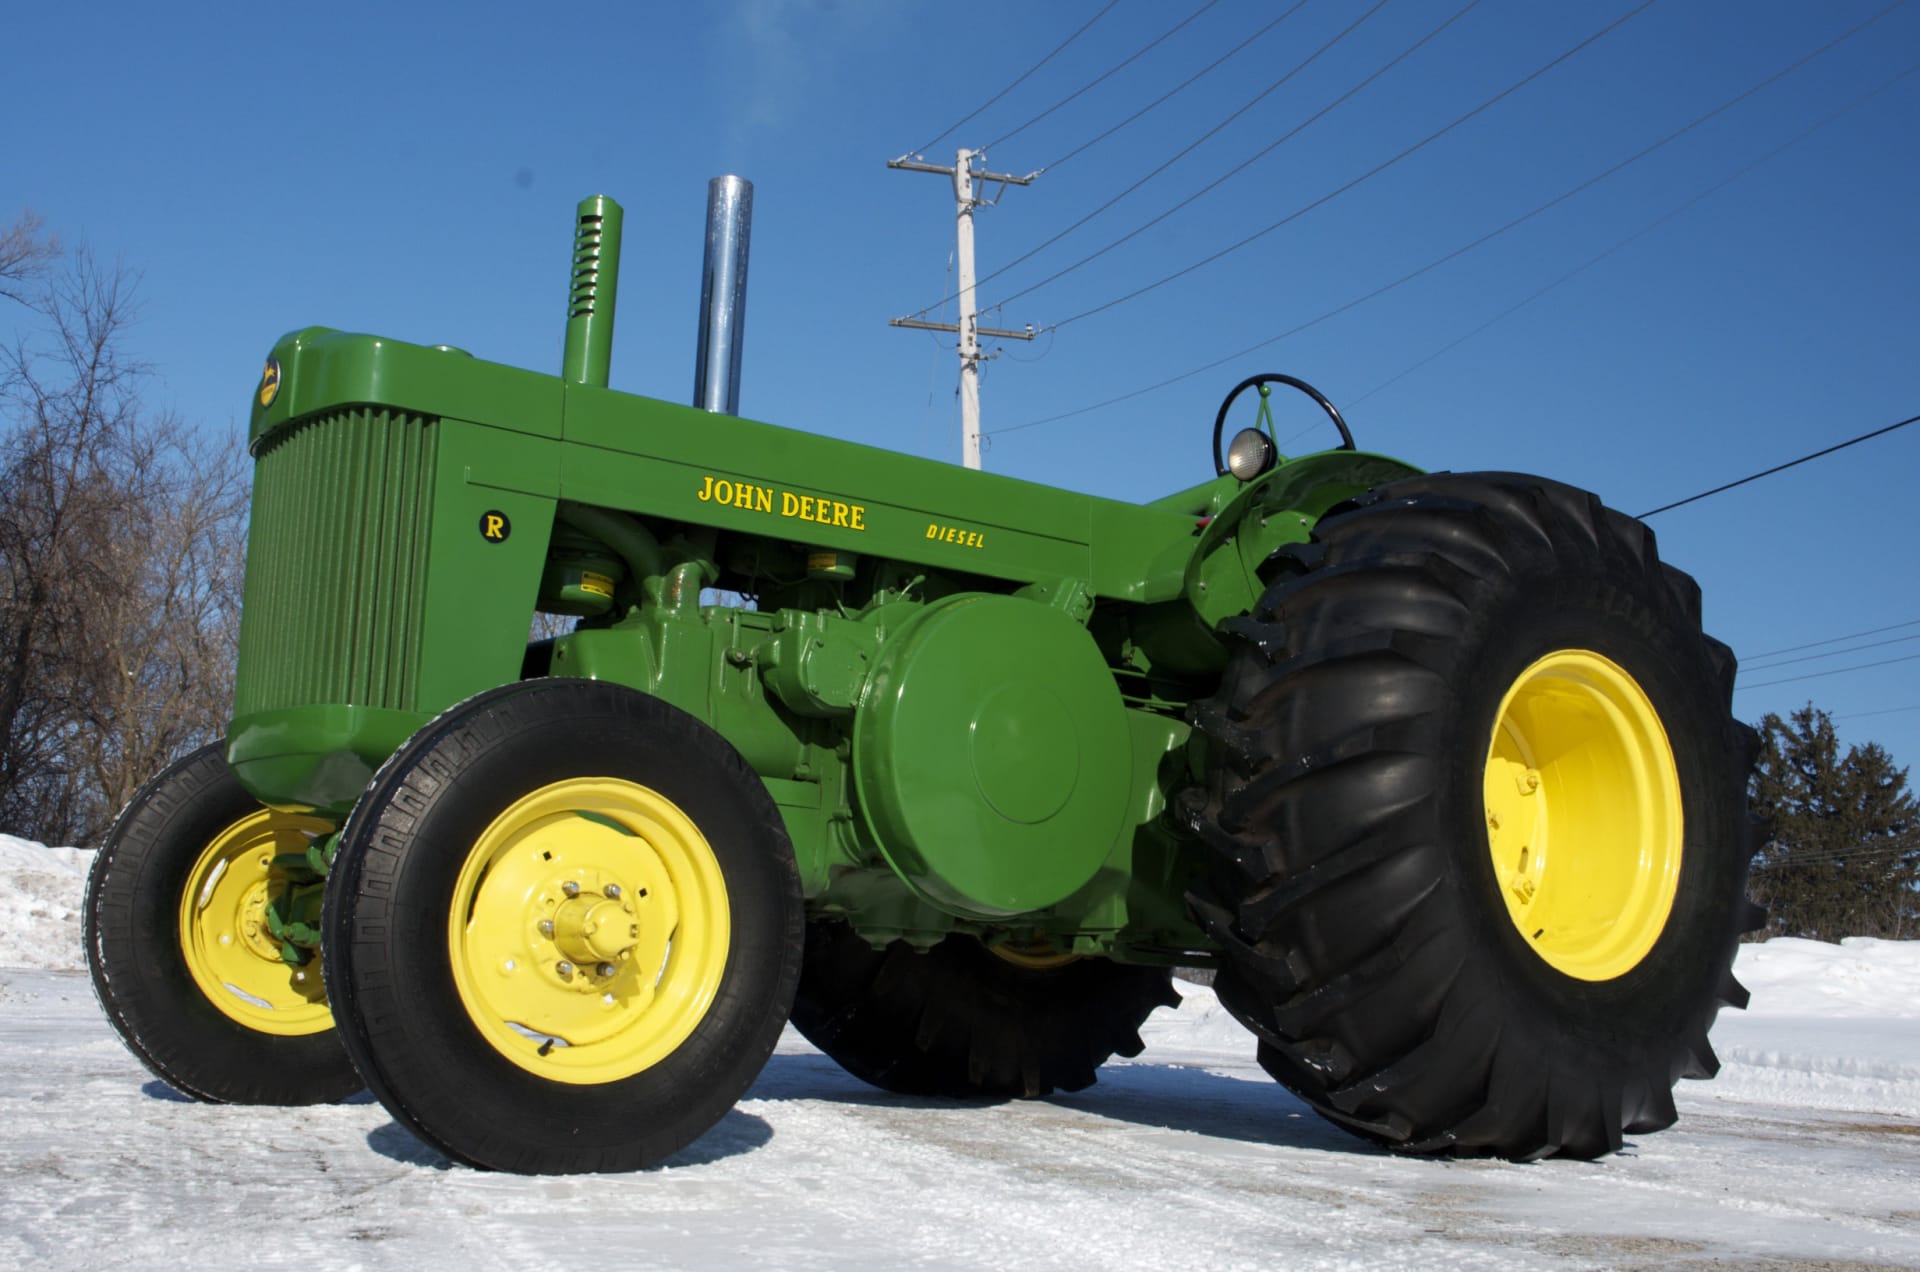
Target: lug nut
pixel 564 968
pixel 605 969
pixel 613 891
pixel 571 888
pixel 546 927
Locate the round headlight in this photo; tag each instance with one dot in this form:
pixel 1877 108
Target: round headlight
pixel 1250 454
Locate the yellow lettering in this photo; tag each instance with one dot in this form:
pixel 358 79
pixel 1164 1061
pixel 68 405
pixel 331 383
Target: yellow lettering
pixel 839 513
pixel 723 492
pixel 806 507
pixel 495 525
pixel 763 498
pixel 858 520
pixel 706 490
pixel 973 540
pixel 789 505
pixel 933 531
pixel 823 510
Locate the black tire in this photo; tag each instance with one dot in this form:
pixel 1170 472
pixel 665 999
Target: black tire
pixel 446 1060
pixel 961 1022
pixel 140 966
pixel 1351 881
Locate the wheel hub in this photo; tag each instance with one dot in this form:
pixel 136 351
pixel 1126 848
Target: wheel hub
pixel 255 936
pixel 593 929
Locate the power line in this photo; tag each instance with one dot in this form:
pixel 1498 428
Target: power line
pixel 1260 154
pixel 1865 854
pixel 1111 71
pixel 1200 74
pixel 1832 640
pixel 1832 653
pixel 1857 715
pixel 1633 238
pixel 1255 100
pixel 1816 675
pixel 1017 82
pixel 1895 847
pixel 1484 238
pixel 1780 468
pixel 1368 175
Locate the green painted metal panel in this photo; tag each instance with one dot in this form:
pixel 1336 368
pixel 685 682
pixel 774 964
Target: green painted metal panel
pixel 477 601
pixel 679 463
pixel 991 756
pixel 317 369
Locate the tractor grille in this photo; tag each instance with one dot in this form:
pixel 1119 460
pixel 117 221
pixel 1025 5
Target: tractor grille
pixel 336 563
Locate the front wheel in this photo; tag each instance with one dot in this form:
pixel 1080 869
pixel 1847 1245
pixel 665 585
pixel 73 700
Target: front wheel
pixel 180 913
pixel 1477 813
pixel 563 929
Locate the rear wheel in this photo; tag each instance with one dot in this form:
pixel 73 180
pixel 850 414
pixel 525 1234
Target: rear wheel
pixel 967 1022
pixel 1478 821
pixel 181 908
pixel 563 929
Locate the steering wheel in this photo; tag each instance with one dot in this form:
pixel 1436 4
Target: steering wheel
pixel 1263 380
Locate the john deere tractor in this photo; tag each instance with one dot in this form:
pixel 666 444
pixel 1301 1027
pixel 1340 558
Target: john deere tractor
pixel 948 769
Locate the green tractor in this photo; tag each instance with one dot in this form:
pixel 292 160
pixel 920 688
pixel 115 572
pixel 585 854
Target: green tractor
pixel 1436 771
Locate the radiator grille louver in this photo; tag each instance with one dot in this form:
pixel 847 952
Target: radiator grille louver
pixel 336 563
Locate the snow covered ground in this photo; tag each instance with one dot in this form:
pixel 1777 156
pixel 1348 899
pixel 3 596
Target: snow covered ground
pixel 1804 1153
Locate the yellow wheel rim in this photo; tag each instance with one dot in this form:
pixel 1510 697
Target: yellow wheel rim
pixel 1583 814
pixel 589 930
pixel 230 954
pixel 1039 955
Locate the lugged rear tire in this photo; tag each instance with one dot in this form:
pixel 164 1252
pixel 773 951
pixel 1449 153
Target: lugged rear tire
pixel 962 1022
pixel 1443 642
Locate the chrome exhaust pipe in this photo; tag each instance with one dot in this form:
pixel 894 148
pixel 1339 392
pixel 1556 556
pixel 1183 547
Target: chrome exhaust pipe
pixel 723 295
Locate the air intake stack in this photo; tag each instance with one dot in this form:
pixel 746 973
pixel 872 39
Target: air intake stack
pixel 592 291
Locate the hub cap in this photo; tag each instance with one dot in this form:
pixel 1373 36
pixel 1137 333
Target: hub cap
pixel 230 953
pixel 1583 814
pixel 589 930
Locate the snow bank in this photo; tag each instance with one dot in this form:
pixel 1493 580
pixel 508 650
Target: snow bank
pixel 1858 978
pixel 41 890
pixel 1830 1026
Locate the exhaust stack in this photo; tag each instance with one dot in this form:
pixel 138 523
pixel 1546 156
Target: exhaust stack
pixel 592 291
pixel 723 295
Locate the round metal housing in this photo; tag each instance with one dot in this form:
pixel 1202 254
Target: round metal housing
pixel 1250 453
pixel 992 756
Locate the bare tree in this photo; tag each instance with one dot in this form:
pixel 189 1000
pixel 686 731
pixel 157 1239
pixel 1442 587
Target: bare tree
pixel 24 254
pixel 120 542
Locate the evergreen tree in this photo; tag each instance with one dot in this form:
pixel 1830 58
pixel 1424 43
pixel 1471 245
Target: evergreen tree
pixel 1842 852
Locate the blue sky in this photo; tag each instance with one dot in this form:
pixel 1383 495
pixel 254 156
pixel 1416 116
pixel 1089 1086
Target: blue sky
pixel 412 169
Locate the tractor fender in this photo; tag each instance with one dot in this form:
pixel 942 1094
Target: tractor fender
pixel 1277 508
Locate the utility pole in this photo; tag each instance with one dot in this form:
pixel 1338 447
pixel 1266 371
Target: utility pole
pixel 968 328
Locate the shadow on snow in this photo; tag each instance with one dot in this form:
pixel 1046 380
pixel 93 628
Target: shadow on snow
pixel 1172 1097
pixel 734 1134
